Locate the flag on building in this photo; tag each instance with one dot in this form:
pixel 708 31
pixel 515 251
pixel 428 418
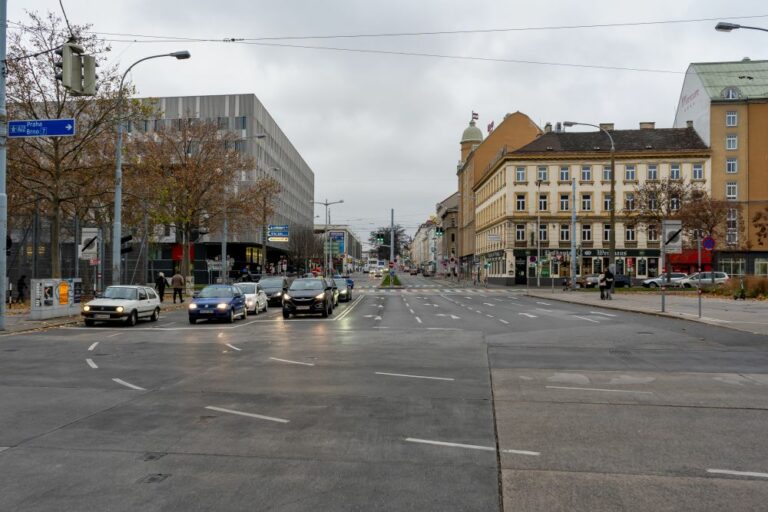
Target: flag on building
pixel 475 116
pixel 490 127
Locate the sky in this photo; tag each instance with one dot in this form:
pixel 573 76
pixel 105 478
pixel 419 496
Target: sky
pixel 382 130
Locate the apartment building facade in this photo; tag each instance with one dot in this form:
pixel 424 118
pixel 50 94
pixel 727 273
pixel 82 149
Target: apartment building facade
pixel 448 219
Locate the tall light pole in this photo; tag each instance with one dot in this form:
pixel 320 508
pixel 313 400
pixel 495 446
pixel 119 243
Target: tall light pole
pixel 3 148
pixel 117 227
pixel 538 234
pixel 326 252
pixel 727 27
pixel 612 245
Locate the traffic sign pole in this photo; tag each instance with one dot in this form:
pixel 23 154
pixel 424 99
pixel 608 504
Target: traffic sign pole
pixel 698 246
pixel 3 147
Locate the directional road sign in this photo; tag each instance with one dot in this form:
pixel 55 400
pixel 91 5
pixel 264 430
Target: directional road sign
pixel 41 128
pixel 278 233
pixel 274 227
pixel 277 238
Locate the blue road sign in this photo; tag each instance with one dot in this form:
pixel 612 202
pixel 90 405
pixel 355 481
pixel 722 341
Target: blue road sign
pixel 278 233
pixel 273 227
pixel 709 243
pixel 41 128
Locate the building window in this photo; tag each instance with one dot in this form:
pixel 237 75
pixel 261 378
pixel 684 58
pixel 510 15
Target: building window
pixel 240 146
pixel 240 123
pixel 653 203
pixel 607 202
pixel 629 233
pixel 586 232
pixel 732 226
pixel 629 173
pixel 520 232
pixel 520 175
pixel 520 203
pixel 543 232
pixel 565 202
pixel 674 172
pixel 543 174
pixel 731 93
pixel 565 232
pixel 222 123
pixel 674 203
pixel 606 173
pixel 731 118
pixel 731 165
pixel 731 190
pixel 761 267
pixel 565 173
pixel 653 172
pixel 586 173
pixel 629 202
pixel 606 232
pixel 698 171
pixel 653 233
pixel 586 202
pixel 731 142
pixel 543 203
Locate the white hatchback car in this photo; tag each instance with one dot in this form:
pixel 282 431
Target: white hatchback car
pixel 122 304
pixel 708 279
pixel 255 299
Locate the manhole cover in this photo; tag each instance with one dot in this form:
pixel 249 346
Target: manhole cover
pixel 154 478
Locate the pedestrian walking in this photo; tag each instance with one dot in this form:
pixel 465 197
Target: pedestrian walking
pixel 21 289
pixel 601 284
pixel 160 285
pixel 608 284
pixel 177 283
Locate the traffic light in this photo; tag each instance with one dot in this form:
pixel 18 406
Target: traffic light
pixel 439 231
pixel 8 245
pixel 379 239
pixel 124 247
pixel 77 70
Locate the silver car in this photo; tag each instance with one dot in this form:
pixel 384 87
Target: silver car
pixel 707 279
pixel 255 298
pixel 674 281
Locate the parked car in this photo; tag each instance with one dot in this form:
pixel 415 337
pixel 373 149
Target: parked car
pixel 345 291
pixel 378 273
pixel 122 304
pixel 708 279
pixel 218 301
pixel 655 282
pixel 308 296
pixel 622 281
pixel 587 281
pixel 414 272
pixel 274 288
pixel 255 298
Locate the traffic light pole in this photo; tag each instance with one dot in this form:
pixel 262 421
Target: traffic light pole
pixel 3 147
pixel 392 248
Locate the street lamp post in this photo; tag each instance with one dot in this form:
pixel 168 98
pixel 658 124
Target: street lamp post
pixel 612 241
pixel 538 234
pixel 724 26
pixel 117 227
pixel 326 252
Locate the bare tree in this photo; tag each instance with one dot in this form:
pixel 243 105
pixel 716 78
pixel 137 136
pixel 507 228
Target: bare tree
pixel 711 217
pixel 304 244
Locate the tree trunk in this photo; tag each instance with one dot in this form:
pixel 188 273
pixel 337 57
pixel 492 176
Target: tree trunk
pixel 55 239
pixel 185 237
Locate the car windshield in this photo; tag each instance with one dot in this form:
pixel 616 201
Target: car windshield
pixel 307 284
pixel 247 287
pixel 340 283
pixel 120 292
pixel 271 282
pixel 211 292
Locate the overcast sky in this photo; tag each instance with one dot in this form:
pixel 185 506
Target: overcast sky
pixel 382 131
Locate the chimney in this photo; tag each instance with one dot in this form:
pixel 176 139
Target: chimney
pixel 606 126
pixel 689 124
pixel 558 127
pixel 548 128
pixel 646 125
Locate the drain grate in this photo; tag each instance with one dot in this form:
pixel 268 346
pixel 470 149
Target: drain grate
pixel 154 455
pixel 154 478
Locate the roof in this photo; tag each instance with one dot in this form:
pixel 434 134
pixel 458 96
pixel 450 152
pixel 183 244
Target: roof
pixel 749 76
pixel 655 139
pixel 472 133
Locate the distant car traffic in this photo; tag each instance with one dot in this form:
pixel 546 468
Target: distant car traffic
pixel 255 298
pixel 218 302
pixel 122 304
pixel 274 288
pixel 345 291
pixel 308 296
pixel 708 279
pixel 655 282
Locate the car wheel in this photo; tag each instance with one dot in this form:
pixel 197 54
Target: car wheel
pixel 193 321
pixel 89 322
pixel 257 309
pixel 155 315
pixel 133 318
pixel 654 285
pixel 286 315
pixel 686 285
pixel 245 312
pixel 231 318
pixel 266 306
pixel 326 311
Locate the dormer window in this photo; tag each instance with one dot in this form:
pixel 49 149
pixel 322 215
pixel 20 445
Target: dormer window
pixel 731 93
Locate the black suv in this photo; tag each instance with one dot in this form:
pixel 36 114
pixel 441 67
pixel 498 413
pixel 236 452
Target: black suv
pixel 274 287
pixel 308 296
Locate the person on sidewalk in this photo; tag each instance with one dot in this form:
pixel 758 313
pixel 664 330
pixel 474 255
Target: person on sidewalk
pixel 21 289
pixel 601 284
pixel 160 285
pixel 608 284
pixel 177 283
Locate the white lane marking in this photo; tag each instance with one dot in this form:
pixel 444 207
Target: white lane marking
pixel 489 304
pixel 418 319
pixel 91 363
pixel 544 303
pixel 248 414
pixel 349 309
pixel 113 335
pixel 468 446
pixel 467 297
pixel 93 346
pixel 587 319
pixel 289 361
pixel 544 310
pixel 171 323
pixel 737 473
pixel 503 321
pixel 599 389
pixel 128 384
pixel 412 376
pixel 489 316
pixel 407 305
pixel 412 312
pixel 599 313
pixel 221 335
pixel 234 347
pixel 528 315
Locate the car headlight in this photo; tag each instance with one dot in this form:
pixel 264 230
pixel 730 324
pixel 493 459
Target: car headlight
pixel 193 306
pixel 278 294
pixel 119 309
pixel 287 297
pixel 222 306
pixel 343 292
pixel 86 308
pixel 320 296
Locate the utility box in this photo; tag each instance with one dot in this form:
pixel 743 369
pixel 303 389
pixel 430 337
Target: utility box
pixel 52 298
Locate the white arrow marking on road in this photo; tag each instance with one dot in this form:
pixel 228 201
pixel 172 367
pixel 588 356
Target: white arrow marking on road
pixel 234 347
pixel 90 349
pixel 91 363
pixel 469 446
pixel 599 313
pixel 528 315
pixel 737 473
pixel 292 362
pixel 412 376
pixel 128 384
pixel 248 414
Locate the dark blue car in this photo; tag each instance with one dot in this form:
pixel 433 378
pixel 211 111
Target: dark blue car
pixel 218 301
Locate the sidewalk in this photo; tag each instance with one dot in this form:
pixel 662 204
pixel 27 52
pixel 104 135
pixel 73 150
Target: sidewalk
pixel 749 315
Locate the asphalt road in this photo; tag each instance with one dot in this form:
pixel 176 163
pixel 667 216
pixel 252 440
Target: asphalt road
pixel 433 397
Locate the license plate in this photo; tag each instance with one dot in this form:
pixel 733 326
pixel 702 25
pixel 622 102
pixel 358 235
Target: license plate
pixel 206 311
pixel 302 308
pixel 100 316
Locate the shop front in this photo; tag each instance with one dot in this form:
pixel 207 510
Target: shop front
pixel 634 263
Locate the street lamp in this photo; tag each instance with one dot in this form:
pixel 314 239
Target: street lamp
pixel 612 245
pixel 724 26
pixel 117 227
pixel 326 203
pixel 538 234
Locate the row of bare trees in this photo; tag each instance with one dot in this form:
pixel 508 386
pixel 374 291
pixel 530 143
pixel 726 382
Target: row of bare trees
pixel 185 176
